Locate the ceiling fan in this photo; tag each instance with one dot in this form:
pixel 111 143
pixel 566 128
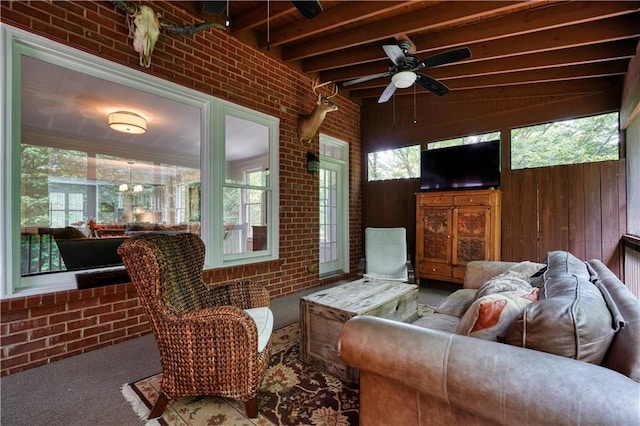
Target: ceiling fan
pixel 404 66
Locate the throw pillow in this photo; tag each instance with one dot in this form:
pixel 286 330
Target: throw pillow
pixel 528 270
pixel 515 278
pixel 490 316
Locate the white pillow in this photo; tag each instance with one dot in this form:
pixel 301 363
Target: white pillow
pixel 263 317
pixel 490 316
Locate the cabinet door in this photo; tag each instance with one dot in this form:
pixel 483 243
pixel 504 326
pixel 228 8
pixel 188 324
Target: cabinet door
pixel 472 231
pixel 436 235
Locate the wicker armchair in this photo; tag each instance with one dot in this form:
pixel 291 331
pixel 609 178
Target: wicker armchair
pixel 208 343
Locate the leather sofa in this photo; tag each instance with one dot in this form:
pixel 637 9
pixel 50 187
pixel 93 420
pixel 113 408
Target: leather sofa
pixel 427 374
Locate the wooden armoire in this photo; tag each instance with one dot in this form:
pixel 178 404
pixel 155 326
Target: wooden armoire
pixel 454 228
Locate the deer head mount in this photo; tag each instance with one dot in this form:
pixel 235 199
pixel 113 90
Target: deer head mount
pixel 308 124
pixel 145 25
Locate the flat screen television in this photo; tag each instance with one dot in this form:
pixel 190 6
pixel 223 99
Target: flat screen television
pixel 464 166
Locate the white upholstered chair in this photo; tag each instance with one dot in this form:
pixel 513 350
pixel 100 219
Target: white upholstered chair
pixel 386 255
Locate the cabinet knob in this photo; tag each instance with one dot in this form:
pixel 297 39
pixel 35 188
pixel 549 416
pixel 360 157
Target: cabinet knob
pixel 433 269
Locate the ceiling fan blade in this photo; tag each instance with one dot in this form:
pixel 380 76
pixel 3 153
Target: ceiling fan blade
pixel 445 58
pixel 366 78
pixel 388 92
pixel 432 85
pixel 394 53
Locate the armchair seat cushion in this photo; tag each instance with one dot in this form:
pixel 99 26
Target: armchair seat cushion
pixel 263 317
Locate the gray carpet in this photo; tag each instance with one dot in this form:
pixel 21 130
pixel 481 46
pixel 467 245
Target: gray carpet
pixel 84 390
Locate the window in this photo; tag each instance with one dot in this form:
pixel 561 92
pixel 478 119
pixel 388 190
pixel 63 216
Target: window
pixel 398 163
pixel 204 166
pixel 65 208
pixel 582 140
pixel 465 140
pixel 334 202
pixel 248 192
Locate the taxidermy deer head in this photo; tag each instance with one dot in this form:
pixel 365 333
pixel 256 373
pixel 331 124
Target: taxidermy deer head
pixel 145 24
pixel 308 124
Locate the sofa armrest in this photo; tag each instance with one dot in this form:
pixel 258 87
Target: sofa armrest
pixel 502 383
pixel 478 272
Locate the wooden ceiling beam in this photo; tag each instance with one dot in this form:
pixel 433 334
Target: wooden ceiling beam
pixel 533 20
pixel 431 17
pixel 611 51
pixel 563 73
pixel 257 16
pixel 553 17
pixel 612 29
pixel 336 17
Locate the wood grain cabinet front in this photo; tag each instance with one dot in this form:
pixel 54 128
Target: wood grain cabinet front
pixel 454 228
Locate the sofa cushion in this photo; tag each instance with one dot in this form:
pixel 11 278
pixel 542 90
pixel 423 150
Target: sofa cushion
pixel 623 355
pixel 571 318
pixel 561 263
pixel 442 322
pixel 457 303
pixel 490 316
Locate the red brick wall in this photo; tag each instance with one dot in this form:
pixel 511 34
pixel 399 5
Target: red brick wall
pixel 41 329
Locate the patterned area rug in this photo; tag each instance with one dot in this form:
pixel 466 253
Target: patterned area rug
pixel 292 393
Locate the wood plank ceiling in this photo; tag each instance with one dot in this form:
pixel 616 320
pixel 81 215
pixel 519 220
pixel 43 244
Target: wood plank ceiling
pixel 511 42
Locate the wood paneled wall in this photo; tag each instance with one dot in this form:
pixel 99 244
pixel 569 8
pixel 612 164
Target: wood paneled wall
pixel 578 208
pixel 392 203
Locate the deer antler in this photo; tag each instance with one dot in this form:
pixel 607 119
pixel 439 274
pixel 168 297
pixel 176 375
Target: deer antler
pixel 308 124
pixel 316 85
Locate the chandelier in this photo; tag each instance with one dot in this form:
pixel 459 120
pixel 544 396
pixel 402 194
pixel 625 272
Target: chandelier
pixel 129 187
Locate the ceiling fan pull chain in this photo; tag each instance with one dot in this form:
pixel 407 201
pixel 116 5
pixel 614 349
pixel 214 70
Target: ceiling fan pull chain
pixel 415 116
pixel 394 111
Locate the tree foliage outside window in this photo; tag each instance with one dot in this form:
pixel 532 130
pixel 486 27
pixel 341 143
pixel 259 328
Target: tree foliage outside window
pixel 399 163
pixel 582 140
pixel 465 140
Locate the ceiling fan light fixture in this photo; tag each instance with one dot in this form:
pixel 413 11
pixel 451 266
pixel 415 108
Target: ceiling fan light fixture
pixel 403 79
pixel 127 122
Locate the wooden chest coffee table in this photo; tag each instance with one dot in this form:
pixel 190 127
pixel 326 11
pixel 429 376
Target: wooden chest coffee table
pixel 322 315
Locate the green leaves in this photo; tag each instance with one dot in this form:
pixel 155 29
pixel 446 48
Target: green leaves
pixel 582 140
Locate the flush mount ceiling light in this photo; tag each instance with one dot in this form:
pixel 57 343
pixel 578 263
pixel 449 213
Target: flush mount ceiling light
pixel 127 122
pixel 403 79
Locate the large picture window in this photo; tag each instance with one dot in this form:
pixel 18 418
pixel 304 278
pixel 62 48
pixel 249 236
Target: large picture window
pixel 77 186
